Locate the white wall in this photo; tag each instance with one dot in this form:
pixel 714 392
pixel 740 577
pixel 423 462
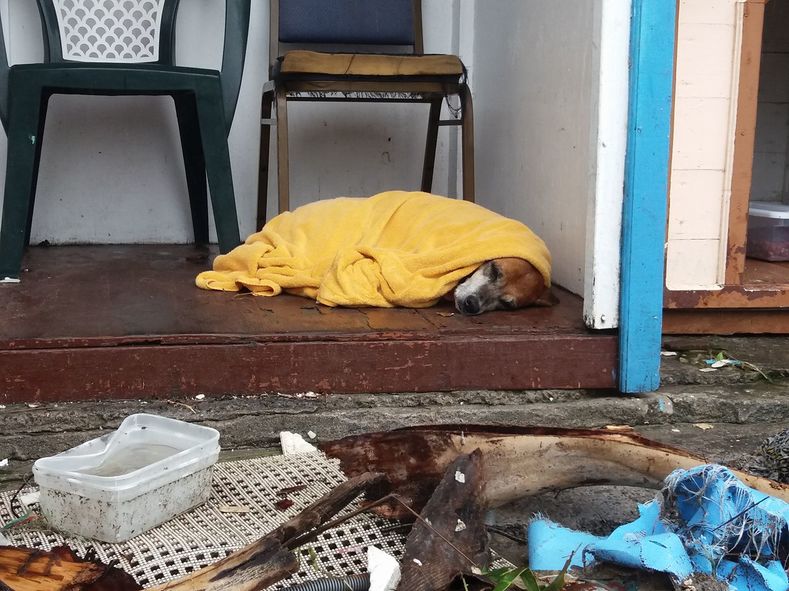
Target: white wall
pixel 111 167
pixel 535 87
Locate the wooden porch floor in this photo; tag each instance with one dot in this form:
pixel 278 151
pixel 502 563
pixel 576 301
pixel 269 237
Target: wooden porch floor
pixel 98 322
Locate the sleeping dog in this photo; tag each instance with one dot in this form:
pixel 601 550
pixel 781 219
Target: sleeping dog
pixel 397 248
pixel 502 284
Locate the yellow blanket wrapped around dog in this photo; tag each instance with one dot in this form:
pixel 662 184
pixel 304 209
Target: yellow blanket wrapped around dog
pixel 393 249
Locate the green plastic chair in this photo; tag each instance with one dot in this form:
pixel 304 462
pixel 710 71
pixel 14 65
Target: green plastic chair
pixel 112 48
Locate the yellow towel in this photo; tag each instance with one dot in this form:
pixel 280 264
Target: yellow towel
pixel 393 249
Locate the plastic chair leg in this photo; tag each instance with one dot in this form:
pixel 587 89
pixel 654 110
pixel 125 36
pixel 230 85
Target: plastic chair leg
pixel 25 111
pixel 42 117
pixel 430 144
pixel 213 134
pixel 194 164
pixel 265 143
pixel 468 143
pixel 283 165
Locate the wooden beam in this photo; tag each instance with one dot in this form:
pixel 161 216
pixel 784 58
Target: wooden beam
pixel 653 33
pixel 249 367
pixel 726 322
pixel 745 136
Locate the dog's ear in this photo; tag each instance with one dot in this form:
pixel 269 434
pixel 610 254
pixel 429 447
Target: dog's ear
pixel 548 298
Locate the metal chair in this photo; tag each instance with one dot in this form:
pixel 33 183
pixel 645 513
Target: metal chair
pixel 122 47
pixel 357 50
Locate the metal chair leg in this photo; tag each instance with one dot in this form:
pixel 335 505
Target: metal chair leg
pixel 194 164
pixel 265 146
pixel 430 144
pixel 468 143
pixel 283 168
pixel 25 110
pixel 213 134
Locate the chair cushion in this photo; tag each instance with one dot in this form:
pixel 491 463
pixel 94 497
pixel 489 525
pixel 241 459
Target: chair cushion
pixel 300 62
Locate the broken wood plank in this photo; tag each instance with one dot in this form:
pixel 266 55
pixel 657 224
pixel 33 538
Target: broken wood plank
pixel 252 568
pixel 27 569
pixel 271 559
pixel 450 538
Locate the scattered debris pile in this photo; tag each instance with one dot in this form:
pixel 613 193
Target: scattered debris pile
pixel 771 459
pixel 255 567
pixel 444 479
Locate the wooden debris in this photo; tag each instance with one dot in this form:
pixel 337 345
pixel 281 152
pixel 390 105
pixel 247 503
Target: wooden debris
pixel 233 509
pixel 271 559
pixel 25 569
pixel 255 567
pixel 252 568
pixel 450 538
pixel 284 504
pixel 518 462
pixel 283 492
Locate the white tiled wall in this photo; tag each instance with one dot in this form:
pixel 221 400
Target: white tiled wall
pixel 704 106
pixel 701 134
pixel 690 259
pixel 700 192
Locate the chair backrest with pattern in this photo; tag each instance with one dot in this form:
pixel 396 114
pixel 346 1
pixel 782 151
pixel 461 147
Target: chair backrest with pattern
pixel 109 31
pixel 360 26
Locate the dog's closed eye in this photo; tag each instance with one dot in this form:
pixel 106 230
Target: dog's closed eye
pixel 492 272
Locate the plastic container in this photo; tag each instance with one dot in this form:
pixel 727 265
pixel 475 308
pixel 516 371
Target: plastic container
pixel 768 231
pixel 128 481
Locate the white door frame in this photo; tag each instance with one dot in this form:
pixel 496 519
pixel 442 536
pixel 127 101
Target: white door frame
pixel 604 218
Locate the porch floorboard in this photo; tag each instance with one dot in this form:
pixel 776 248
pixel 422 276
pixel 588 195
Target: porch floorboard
pixel 98 322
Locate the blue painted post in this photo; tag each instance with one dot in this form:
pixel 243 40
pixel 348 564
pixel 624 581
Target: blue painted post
pixel 646 193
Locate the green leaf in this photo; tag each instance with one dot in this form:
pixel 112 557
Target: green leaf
pixel 506 578
pixel 524 578
pixel 529 580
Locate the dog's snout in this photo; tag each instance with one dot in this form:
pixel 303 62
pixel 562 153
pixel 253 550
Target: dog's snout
pixel 470 305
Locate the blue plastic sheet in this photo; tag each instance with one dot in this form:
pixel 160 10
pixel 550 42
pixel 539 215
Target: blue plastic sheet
pixel 711 523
